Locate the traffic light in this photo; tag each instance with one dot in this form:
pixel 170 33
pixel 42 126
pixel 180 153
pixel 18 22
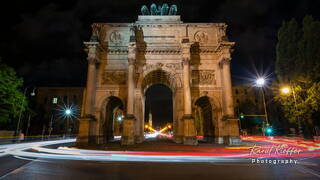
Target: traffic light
pixel 269 130
pixel 241 115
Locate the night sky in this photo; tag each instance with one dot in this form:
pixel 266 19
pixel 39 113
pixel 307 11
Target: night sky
pixel 42 40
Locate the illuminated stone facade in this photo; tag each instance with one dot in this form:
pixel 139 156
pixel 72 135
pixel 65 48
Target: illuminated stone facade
pixel 192 59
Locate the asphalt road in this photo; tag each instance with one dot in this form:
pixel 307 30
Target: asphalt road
pixel 42 169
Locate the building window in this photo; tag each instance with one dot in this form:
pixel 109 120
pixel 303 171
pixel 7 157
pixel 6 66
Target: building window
pixel 75 100
pixel 245 92
pixel 45 100
pixel 65 99
pixel 54 100
pixel 238 101
pixel 237 92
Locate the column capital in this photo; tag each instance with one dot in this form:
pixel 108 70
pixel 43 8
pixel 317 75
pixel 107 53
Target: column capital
pixel 132 49
pixel 92 48
pixel 131 61
pixel 185 60
pixel 224 61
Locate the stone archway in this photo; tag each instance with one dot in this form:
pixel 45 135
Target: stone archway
pixel 160 76
pixel 111 124
pixel 203 113
pixel 158 95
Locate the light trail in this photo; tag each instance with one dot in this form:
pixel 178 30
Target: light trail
pixel 194 154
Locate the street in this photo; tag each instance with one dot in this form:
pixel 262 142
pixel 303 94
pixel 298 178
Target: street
pixel 65 169
pixel 18 162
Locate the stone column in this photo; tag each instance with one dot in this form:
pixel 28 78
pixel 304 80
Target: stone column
pixel 85 122
pixel 188 121
pixel 225 65
pixel 129 122
pixel 231 127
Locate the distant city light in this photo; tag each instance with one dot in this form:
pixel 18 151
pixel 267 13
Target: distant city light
pixel 285 90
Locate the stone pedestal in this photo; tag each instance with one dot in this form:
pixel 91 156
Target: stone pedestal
pixel 128 130
pixel 84 135
pixel 190 134
pixel 138 139
pixel 178 139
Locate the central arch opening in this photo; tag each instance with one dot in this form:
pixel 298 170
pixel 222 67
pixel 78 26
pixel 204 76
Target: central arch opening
pixel 159 107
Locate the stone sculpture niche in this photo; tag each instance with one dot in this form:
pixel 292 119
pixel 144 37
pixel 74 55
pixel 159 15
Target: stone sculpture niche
pixel 163 10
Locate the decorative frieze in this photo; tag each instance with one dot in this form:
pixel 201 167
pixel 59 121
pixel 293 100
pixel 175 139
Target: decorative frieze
pixel 171 66
pixel 203 77
pixel 149 67
pixel 174 66
pixel 114 77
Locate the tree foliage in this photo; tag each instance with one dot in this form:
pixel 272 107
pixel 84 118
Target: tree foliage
pixel 298 66
pixel 12 100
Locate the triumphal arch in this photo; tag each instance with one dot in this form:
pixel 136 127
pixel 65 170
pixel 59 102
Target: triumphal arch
pixel 125 59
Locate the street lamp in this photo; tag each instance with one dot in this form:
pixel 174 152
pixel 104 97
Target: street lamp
pixel 68 113
pixel 20 113
pixel 260 82
pixel 286 90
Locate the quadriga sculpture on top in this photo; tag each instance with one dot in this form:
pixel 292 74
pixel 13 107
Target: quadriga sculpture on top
pixel 156 11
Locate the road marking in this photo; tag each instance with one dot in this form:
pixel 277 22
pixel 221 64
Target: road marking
pixel 308 170
pixel 29 159
pixel 15 170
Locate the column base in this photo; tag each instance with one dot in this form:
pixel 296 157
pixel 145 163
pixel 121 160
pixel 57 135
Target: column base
pixel 228 140
pixel 234 140
pixel 178 139
pixel 190 140
pixel 219 140
pixel 128 130
pixel 83 137
pixel 127 140
pixel 138 139
pixel 190 137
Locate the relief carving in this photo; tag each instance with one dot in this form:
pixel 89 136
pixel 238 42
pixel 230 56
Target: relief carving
pixel 174 66
pixel 114 77
pixel 201 36
pixel 152 66
pixel 116 37
pixel 203 77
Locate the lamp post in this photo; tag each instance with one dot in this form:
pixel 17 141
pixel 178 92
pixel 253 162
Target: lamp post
pixel 286 90
pixel 260 82
pixel 20 113
pixel 68 113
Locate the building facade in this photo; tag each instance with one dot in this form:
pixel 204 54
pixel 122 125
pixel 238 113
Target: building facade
pixel 51 102
pixel 192 59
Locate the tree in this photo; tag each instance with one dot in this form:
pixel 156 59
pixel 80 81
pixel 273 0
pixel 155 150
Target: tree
pixel 298 65
pixel 12 100
pixel 287 50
